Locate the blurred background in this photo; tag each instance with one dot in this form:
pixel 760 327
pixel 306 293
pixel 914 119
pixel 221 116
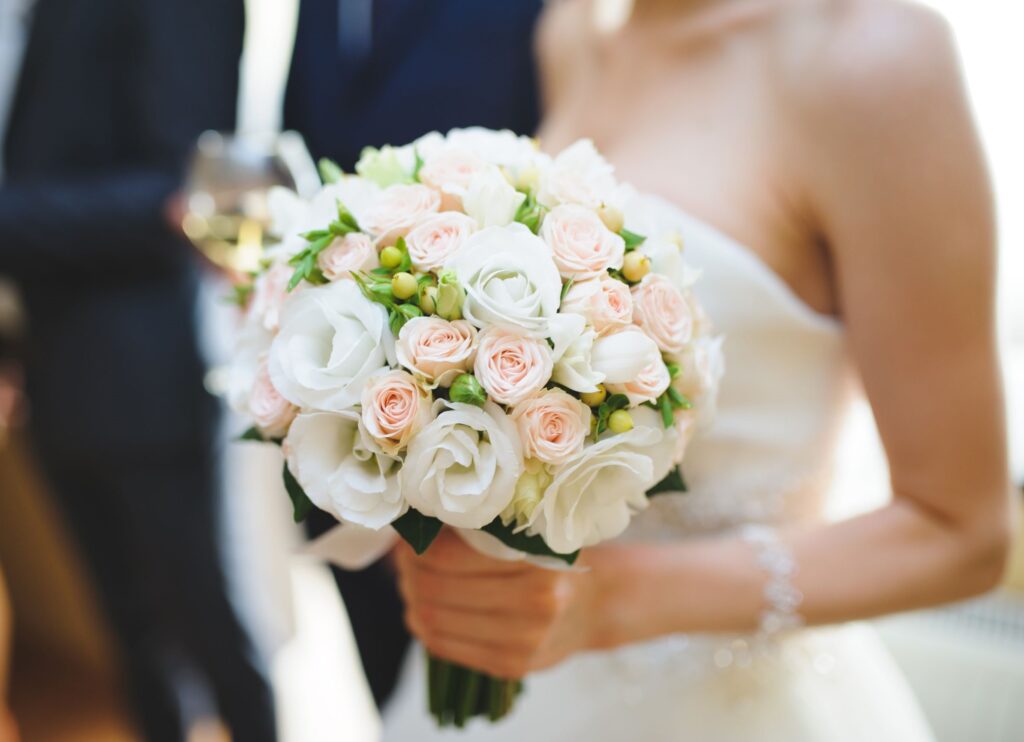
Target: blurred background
pixel 57 653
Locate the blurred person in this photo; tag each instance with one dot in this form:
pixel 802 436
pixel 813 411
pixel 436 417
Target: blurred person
pixel 110 97
pixel 821 166
pixel 370 72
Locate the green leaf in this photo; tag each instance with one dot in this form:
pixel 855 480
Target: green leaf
pixel 379 293
pixel 418 164
pixel 674 369
pixel 530 213
pixel 467 390
pixel 251 435
pixel 405 266
pixel 345 217
pixel 632 239
pixel 524 542
pixel 678 400
pixel 665 407
pixel 418 530
pixel 565 290
pixel 240 294
pixel 301 504
pixel 673 482
pixel 316 234
pixel 606 408
pixel 329 170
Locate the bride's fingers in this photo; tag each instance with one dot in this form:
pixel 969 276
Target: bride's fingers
pixel 508 632
pixel 478 656
pixel 469 591
pixel 449 553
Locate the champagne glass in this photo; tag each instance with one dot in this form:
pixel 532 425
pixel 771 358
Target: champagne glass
pixel 228 181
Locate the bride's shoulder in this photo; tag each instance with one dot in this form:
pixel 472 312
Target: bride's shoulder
pixel 861 57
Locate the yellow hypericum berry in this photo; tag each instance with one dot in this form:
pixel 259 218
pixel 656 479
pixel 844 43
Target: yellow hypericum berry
pixel 635 266
pixel 593 399
pixel 403 285
pixel 390 257
pixel 611 217
pixel 620 421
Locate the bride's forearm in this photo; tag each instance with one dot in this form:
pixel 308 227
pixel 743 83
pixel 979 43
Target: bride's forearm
pixel 894 559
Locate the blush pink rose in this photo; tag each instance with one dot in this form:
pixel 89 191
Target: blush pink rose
pixel 647 386
pixel 268 295
pixel 606 303
pixel 436 349
pixel 436 238
pixel 353 252
pixel 582 246
pixel 510 366
pixel 394 408
pixel 449 172
pixel 661 311
pixel 398 209
pixel 552 426
pixel 271 413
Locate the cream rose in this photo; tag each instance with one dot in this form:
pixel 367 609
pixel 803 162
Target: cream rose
pixel 271 413
pixel 342 470
pixel 332 339
pixel 353 252
pixel 462 468
pixel 450 172
pixel 552 426
pixel 605 302
pixel 646 386
pixel 661 310
pixel 622 356
pixel 583 247
pixel 398 209
pixel 509 279
pixel 394 408
pixel 511 366
pixel 593 495
pixel 434 240
pixel 578 175
pixel 436 349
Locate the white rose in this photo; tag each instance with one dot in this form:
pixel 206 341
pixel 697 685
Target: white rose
pixel 342 470
pixel 578 175
pixel 509 151
pixel 462 467
pixel 622 356
pixel 574 369
pixel 332 339
pixel 593 496
pixel 605 302
pixel 450 172
pixel 490 199
pixel 509 279
pixel 583 247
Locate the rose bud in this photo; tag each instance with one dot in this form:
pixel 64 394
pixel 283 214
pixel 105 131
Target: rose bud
pixel 450 296
pixel 467 390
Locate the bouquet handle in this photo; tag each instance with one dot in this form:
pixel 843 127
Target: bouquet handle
pixel 457 693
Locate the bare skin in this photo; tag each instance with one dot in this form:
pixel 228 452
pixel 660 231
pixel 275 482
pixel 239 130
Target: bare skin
pixel 833 139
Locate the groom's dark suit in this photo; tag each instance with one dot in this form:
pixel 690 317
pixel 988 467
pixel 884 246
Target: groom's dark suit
pixel 111 98
pixel 428 65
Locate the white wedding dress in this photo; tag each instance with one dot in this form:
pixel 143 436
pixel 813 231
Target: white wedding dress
pixel 766 458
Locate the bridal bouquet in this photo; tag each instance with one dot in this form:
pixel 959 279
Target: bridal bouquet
pixel 466 333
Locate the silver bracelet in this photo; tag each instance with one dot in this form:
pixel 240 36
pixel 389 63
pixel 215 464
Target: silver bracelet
pixel 782 599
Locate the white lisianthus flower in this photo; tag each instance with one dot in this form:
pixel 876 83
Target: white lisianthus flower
pixel 574 369
pixel 622 356
pixel 462 468
pixel 593 496
pixel 509 278
pixel 490 199
pixel 511 152
pixel 342 470
pixel 292 216
pixel 701 365
pixel 332 339
pixel 578 175
pixel 247 356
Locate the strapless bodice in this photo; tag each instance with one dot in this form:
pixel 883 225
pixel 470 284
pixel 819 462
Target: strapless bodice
pixel 766 454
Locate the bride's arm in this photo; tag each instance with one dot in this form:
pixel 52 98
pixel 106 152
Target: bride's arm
pixel 895 177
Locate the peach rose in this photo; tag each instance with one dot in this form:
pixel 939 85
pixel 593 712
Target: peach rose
pixel 605 302
pixel 436 349
pixel 552 426
pixel 582 246
pixel 510 366
pixel 449 172
pixel 661 310
pixel 353 252
pixel 271 413
pixel 394 407
pixel 268 295
pixel 647 386
pixel 398 209
pixel 436 238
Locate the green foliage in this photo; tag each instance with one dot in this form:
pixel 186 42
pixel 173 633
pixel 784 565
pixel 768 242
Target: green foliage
pixel 301 504
pixel 467 389
pixel 240 294
pixel 632 239
pixel 329 170
pixel 606 408
pixel 673 482
pixel 418 530
pixel 530 213
pixel 524 542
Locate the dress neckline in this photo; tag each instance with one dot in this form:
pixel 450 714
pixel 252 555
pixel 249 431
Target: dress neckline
pixel 750 258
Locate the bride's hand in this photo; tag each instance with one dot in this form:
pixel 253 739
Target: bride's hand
pixel 504 618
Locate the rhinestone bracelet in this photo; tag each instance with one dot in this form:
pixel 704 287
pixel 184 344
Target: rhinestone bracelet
pixel 782 599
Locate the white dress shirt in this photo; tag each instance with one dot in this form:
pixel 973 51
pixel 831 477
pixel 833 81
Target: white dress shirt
pixel 15 16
